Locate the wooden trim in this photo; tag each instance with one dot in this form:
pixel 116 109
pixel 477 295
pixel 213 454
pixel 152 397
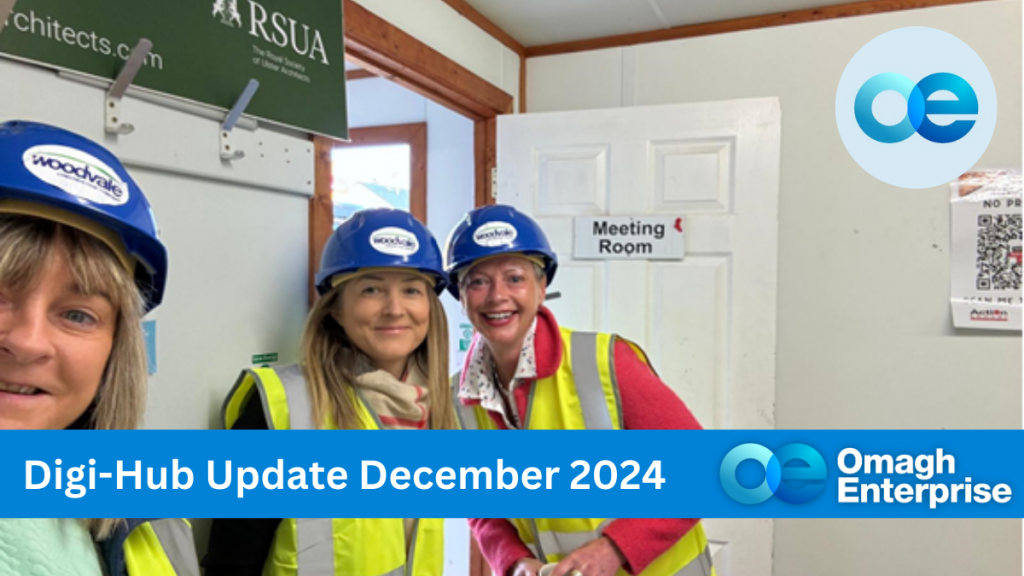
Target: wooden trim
pixel 377 45
pixel 482 22
pixel 485 152
pixel 740 24
pixel 522 85
pixel 415 135
pixel 321 209
pixel 321 206
pixel 359 74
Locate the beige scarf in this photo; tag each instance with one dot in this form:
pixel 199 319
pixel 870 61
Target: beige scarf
pixel 400 404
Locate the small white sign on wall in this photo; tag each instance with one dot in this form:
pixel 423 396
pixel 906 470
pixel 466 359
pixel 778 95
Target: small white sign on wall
pixel 986 251
pixel 628 238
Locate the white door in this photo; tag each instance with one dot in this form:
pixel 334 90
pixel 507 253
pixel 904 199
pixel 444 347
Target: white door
pixel 707 321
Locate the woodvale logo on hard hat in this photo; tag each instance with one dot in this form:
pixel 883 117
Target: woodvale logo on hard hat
pixel 394 241
pixel 76 173
pixel 495 234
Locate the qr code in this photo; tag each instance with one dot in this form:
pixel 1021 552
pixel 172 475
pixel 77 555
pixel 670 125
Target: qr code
pixel 999 252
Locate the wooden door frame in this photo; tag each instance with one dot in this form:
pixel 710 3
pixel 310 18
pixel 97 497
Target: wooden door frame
pixel 380 47
pixel 376 45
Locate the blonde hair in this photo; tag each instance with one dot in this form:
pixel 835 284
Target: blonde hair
pixel 329 361
pixel 26 246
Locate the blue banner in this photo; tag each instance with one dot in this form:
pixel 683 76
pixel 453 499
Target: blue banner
pixel 684 474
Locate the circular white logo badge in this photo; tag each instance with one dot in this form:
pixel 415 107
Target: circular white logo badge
pixel 495 234
pixel 916 107
pixel 76 173
pixel 394 241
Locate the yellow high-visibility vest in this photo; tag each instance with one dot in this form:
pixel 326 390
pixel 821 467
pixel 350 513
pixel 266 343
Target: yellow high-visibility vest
pixel 583 395
pixel 332 546
pixel 161 547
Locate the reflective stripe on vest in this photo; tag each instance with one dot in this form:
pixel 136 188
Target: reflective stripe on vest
pixel 583 394
pixel 286 401
pixel 161 548
pixel 332 546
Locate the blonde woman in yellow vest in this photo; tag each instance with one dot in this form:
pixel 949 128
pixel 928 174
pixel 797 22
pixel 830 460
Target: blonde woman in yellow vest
pixel 374 356
pixel 523 371
pixel 80 263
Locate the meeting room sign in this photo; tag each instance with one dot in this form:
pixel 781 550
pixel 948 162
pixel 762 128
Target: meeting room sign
pixel 628 238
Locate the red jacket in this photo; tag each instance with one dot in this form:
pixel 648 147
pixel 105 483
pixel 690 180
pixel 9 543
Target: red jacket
pixel 647 404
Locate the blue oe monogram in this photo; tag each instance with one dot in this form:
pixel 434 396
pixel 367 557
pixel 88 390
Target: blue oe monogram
pixel 776 473
pixel 918 107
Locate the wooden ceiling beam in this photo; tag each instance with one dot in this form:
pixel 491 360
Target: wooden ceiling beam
pixel 359 74
pixel 739 24
pixel 377 45
pixel 463 7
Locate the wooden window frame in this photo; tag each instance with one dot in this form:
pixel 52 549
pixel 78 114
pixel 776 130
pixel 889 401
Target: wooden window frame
pixel 321 207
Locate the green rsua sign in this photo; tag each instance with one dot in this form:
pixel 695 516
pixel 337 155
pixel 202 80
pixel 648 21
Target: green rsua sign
pixel 203 50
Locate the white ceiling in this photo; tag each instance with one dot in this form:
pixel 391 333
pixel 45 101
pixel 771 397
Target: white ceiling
pixel 538 22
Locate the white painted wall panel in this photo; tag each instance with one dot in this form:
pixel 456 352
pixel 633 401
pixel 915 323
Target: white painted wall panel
pixel 510 63
pixel 380 102
pixel 579 81
pixel 865 338
pixel 237 287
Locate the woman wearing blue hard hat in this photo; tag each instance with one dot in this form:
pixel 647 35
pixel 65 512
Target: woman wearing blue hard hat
pixel 80 263
pixel 374 356
pixel 519 374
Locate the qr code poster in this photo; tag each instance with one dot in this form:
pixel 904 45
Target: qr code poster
pixel 985 217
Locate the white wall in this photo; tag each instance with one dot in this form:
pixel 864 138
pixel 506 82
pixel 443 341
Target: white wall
pixel 865 338
pixel 450 194
pixel 439 26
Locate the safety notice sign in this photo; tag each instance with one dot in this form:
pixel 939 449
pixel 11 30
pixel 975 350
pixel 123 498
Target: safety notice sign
pixel 985 217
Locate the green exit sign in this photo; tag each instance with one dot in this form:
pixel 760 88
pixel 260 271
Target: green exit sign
pixel 264 358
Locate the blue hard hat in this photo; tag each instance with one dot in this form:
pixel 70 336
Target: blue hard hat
pixel 380 238
pixel 64 173
pixel 493 230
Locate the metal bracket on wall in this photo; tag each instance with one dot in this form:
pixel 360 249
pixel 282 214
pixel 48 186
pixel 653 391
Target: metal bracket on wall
pixel 228 150
pixel 115 123
pixel 494 182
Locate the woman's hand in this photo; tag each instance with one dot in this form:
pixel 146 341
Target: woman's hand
pixel 527 567
pixel 597 558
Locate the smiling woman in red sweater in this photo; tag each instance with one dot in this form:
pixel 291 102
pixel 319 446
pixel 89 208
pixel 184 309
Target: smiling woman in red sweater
pixel 500 264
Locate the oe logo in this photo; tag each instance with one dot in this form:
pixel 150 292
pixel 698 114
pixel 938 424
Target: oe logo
pixel 918 107
pixel 776 474
pixel 916 81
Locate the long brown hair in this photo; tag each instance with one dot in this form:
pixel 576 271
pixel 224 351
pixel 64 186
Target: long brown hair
pixel 329 363
pixel 26 246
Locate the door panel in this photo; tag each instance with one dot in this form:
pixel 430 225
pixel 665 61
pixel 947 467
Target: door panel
pixel 707 321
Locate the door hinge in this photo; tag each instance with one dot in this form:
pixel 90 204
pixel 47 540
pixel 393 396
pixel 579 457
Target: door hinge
pixel 494 182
